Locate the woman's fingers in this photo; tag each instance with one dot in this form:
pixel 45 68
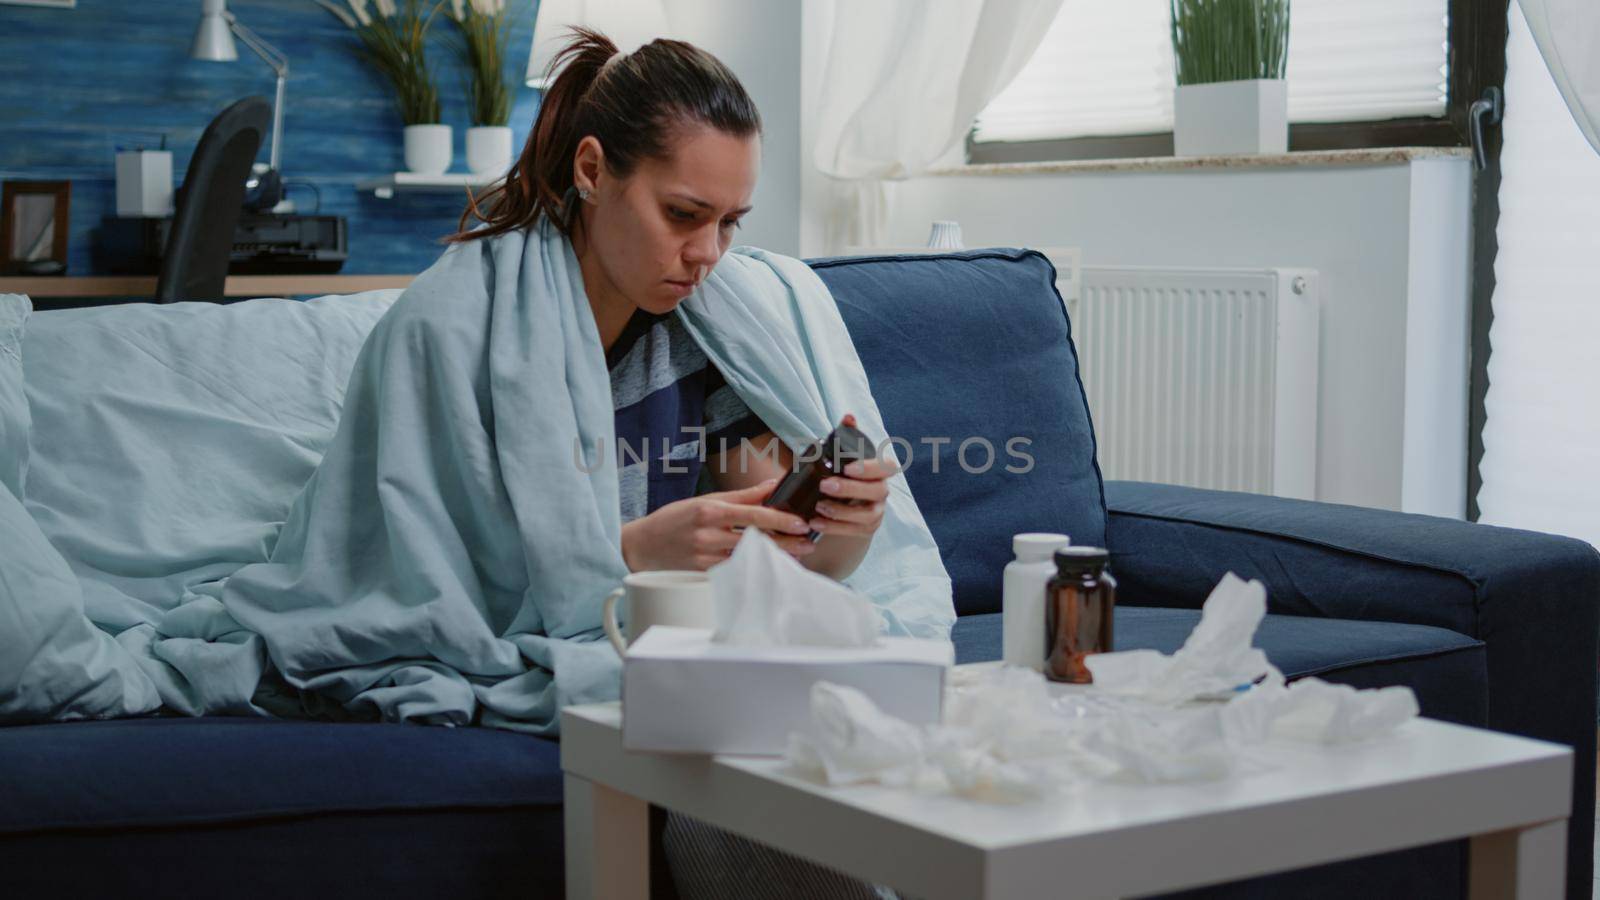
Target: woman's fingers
pixel 722 541
pixel 875 469
pixel 849 512
pixel 875 491
pixel 832 526
pixel 735 515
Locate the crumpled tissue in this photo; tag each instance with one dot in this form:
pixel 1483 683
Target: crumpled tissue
pixel 1008 737
pixel 1215 661
pixel 765 597
pixel 1316 711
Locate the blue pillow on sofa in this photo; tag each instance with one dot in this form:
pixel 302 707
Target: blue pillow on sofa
pixel 170 440
pixel 54 664
pixel 975 347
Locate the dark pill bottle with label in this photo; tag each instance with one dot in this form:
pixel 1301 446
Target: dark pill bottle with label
pixel 800 490
pixel 1080 600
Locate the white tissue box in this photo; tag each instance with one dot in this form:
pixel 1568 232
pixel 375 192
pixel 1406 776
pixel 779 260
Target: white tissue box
pixel 682 693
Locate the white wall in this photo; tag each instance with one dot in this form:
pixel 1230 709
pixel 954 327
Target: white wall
pixel 758 40
pixel 1355 225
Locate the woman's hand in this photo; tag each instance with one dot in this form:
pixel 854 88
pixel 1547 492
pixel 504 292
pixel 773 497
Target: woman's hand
pixel 857 498
pixel 698 532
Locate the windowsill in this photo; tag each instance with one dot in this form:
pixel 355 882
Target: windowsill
pixel 1309 158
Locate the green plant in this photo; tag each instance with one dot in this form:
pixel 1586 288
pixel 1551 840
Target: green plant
pixel 483 28
pixel 394 39
pixel 1229 40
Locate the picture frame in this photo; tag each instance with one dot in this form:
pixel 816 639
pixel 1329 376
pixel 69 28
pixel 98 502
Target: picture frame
pixel 34 225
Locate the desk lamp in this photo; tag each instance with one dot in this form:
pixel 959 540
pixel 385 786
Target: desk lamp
pixel 213 40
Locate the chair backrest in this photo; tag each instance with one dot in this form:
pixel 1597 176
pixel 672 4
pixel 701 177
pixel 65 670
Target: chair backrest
pixel 974 348
pixel 194 263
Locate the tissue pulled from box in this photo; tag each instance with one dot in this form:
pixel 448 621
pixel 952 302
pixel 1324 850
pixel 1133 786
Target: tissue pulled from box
pixel 1006 737
pixel 765 597
pixel 1216 660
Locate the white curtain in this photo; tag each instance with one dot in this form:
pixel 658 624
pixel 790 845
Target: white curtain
pixel 1568 35
pixel 1541 462
pixel 903 82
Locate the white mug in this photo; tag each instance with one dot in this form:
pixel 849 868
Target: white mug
pixel 664 597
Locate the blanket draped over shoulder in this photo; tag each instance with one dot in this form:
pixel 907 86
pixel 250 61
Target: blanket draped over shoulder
pixel 446 562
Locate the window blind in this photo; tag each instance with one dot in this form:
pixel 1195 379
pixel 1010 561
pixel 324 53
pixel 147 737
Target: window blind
pixel 1105 68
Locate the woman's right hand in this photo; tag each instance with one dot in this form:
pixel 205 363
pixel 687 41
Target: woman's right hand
pixel 698 532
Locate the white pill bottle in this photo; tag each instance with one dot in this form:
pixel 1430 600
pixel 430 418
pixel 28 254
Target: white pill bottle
pixel 1022 597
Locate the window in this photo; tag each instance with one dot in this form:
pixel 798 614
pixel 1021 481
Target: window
pixel 1361 73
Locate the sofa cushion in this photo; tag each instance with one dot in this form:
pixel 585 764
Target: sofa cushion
pixel 975 347
pixel 275 807
pixel 174 770
pixel 169 440
pixel 1446 669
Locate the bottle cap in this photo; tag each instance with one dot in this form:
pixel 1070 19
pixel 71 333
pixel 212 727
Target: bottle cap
pixel 1077 559
pixel 848 444
pixel 1037 545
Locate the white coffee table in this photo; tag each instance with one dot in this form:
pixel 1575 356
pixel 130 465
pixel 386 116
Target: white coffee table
pixel 1429 781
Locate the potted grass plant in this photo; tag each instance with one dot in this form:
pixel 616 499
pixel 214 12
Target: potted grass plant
pixel 1229 57
pixel 393 38
pixel 482 30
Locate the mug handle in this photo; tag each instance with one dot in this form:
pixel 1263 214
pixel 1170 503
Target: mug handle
pixel 608 618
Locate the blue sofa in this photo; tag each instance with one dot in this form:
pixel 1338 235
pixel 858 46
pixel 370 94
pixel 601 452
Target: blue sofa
pixel 1491 627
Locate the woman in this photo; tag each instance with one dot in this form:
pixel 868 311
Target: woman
pixel 446 562
pixel 647 162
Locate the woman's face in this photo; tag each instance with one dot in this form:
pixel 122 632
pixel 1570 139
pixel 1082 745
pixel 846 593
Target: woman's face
pixel 657 234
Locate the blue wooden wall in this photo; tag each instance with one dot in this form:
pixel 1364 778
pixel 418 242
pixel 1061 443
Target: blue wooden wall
pixel 77 83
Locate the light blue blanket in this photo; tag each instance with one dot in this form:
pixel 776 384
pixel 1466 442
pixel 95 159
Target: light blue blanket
pixel 446 562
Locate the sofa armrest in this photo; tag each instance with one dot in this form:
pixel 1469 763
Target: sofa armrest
pixel 1171 544
pixel 1533 599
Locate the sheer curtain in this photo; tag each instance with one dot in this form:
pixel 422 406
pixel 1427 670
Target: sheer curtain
pixel 1568 35
pixel 904 80
pixel 1541 461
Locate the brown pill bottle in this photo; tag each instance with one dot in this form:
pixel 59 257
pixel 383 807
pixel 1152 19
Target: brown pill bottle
pixel 800 490
pixel 1079 602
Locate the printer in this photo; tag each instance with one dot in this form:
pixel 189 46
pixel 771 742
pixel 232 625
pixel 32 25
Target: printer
pixel 263 244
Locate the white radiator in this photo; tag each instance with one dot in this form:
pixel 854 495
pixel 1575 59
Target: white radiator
pixel 1202 377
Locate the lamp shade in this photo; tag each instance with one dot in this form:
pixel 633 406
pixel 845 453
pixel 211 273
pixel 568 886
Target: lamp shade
pixel 630 24
pixel 212 39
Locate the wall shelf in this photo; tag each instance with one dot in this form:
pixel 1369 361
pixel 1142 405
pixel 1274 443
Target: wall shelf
pixel 386 186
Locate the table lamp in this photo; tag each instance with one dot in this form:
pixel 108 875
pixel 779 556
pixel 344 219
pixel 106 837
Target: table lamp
pixel 213 40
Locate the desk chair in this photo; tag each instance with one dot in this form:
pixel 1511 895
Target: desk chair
pixel 194 263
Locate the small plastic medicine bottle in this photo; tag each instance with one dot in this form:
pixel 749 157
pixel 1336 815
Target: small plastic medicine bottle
pixel 1080 601
pixel 1022 597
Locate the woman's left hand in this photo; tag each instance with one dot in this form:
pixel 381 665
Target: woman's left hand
pixel 853 502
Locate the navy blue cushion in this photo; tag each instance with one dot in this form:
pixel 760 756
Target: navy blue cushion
pixel 976 345
pixel 322 808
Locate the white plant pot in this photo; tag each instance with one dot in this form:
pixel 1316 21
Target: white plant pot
pixel 427 149
pixel 945 236
pixel 489 149
pixel 1231 117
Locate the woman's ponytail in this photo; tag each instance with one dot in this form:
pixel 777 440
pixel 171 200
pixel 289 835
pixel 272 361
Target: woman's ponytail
pixel 631 106
pixel 538 183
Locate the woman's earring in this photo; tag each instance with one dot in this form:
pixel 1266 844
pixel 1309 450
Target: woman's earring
pixel 583 194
